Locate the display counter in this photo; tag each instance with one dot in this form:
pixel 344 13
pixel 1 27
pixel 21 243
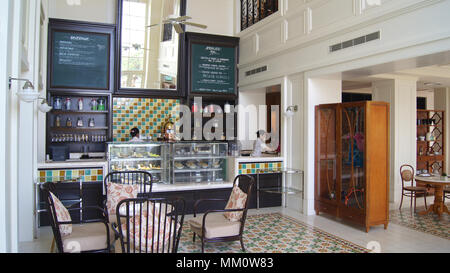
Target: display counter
pixel 172 163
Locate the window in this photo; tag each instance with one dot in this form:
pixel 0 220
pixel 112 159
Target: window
pixel 253 11
pixel 133 47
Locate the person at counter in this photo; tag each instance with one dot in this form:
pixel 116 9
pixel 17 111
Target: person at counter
pixel 134 133
pixel 260 145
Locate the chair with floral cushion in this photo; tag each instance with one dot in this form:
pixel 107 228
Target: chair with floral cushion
pixel 150 225
pixel 75 237
pixel 227 224
pixel 122 185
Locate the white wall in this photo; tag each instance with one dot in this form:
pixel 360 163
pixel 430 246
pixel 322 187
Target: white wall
pixel 318 91
pixel 100 11
pixel 249 124
pixel 7 239
pixel 402 97
pixel 430 98
pixel 218 15
pixel 296 40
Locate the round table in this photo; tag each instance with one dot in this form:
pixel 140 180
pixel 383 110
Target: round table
pixel 438 183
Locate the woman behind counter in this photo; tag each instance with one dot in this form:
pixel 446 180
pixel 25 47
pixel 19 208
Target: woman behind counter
pixel 134 133
pixel 260 145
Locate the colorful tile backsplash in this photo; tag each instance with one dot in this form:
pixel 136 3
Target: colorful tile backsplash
pixel 252 168
pixel 149 115
pixel 89 175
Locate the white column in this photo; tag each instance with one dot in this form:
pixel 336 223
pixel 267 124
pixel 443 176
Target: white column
pixel 402 96
pixel 317 91
pixel 5 71
pixel 442 102
pixel 293 144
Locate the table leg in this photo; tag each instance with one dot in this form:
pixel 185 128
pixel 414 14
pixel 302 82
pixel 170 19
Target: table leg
pixel 52 247
pixel 438 207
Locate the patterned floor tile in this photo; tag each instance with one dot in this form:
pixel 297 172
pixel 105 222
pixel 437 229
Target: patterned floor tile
pixel 429 223
pixel 274 233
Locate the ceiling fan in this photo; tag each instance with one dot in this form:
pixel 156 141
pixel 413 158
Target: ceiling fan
pixel 176 22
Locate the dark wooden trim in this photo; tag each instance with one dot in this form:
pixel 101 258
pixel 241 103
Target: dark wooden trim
pixel 149 93
pixel 81 27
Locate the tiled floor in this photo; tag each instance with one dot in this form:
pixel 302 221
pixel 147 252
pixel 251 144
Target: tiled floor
pixel 397 238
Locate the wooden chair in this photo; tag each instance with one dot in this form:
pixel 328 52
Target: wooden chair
pixel 214 226
pixel 446 193
pixel 140 178
pixel 86 236
pixel 150 225
pixel 411 191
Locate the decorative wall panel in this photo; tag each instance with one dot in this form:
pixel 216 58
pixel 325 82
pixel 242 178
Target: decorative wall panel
pixel 149 115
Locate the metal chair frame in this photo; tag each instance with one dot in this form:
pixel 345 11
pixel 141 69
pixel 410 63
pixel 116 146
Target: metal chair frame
pixel 238 237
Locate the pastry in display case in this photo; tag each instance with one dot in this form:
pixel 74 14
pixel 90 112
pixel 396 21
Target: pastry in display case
pixel 199 162
pixel 149 157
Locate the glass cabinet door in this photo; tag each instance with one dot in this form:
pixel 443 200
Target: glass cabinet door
pixel 140 157
pixel 199 162
pixel 353 144
pixel 326 152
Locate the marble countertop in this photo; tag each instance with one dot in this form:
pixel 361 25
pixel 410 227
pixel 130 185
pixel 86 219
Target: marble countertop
pixel 263 158
pixel 80 163
pixel 191 186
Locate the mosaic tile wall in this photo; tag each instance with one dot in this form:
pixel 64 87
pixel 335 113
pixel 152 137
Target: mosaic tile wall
pixel 90 175
pixel 251 168
pixel 148 115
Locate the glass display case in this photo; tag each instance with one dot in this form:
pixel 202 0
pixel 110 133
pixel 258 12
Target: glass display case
pixel 150 157
pixel 199 162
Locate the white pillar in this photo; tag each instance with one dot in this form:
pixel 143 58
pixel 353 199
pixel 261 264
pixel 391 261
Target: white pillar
pixel 317 91
pixel 442 102
pixel 402 96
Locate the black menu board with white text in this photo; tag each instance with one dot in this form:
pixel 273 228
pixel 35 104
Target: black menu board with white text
pixel 80 60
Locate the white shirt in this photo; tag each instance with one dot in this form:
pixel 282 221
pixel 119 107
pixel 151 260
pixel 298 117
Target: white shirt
pixel 136 139
pixel 259 147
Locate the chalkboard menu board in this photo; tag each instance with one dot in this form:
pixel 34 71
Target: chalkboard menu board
pixel 80 56
pixel 213 69
pixel 212 64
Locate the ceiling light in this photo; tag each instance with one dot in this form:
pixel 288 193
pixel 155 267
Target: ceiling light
pixel 432 84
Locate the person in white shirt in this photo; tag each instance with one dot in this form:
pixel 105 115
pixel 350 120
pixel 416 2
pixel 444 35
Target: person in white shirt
pixel 134 133
pixel 260 145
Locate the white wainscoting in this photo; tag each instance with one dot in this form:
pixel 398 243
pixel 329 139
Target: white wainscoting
pixel 301 22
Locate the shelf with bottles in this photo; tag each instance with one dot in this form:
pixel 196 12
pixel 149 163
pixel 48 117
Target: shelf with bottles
pixel 79 121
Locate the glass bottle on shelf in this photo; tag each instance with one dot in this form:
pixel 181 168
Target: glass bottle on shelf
pixel 94 105
pixel 58 121
pixel 68 104
pixel 101 105
pixel 91 122
pixel 80 104
pixel 69 123
pixel 80 122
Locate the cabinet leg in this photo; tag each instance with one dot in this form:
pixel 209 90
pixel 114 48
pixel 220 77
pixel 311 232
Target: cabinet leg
pixel 367 229
pixel 386 226
pixel 317 212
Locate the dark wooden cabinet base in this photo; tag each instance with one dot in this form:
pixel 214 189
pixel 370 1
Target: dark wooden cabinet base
pixel 92 196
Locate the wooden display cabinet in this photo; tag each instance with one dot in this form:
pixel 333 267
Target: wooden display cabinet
pixel 430 143
pixel 352 162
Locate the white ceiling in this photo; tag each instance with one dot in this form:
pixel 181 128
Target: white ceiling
pixel 427 70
